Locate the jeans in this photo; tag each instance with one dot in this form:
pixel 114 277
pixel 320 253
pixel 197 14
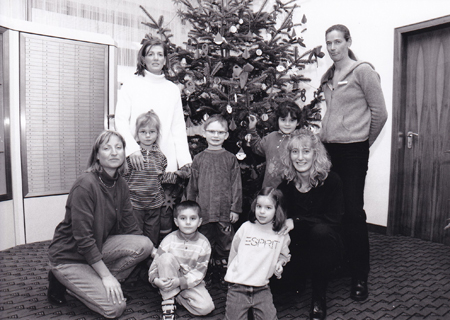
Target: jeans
pixel 350 162
pixel 120 253
pixel 241 298
pixel 149 221
pixel 196 300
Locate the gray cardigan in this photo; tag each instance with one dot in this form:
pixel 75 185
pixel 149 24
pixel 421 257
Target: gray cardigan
pixel 356 110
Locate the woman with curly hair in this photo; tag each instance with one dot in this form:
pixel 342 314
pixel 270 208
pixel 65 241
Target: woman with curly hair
pixel 314 204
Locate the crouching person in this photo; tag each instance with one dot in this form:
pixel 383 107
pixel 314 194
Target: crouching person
pixel 180 264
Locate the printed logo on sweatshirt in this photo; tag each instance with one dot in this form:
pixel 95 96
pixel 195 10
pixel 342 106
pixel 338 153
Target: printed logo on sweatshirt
pixel 259 242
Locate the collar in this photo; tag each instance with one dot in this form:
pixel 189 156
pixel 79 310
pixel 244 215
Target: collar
pixel 107 179
pixel 154 147
pixel 182 237
pixel 155 78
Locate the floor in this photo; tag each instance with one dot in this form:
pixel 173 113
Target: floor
pixel 410 279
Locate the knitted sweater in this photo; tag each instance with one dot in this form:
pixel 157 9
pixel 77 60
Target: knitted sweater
pixel 193 257
pixel 146 191
pixel 215 183
pixel 93 212
pixel 323 204
pixel 255 250
pixel 142 94
pixel 356 110
pixel 271 147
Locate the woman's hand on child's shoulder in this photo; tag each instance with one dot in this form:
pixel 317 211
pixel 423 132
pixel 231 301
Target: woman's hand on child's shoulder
pixel 137 160
pixel 288 226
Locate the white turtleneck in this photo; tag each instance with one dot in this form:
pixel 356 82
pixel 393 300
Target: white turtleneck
pixel 140 95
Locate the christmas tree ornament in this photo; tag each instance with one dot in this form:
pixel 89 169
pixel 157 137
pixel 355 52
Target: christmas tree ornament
pixel 218 39
pixel 232 125
pixel 281 68
pixel 241 21
pixel 263 86
pixel 258 52
pixel 233 29
pixel 241 154
pixel 246 54
pixel 304 20
pixel 205 116
pixel 237 70
pixel 205 50
pixel 264 117
pixel 229 109
pixel 196 54
pixel 183 62
pixel 249 35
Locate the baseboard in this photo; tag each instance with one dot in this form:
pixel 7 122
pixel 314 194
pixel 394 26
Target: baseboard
pixel 376 228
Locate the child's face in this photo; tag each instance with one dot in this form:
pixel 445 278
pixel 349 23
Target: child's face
pixel 188 221
pixel 147 135
pixel 287 125
pixel 265 209
pixel 215 135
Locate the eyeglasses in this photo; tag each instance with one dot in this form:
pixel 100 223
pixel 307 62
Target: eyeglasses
pixel 219 133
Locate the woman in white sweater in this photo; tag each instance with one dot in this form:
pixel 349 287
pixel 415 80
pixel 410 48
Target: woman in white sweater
pixel 149 89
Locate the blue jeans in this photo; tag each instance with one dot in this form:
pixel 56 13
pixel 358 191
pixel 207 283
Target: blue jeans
pixel 350 162
pixel 240 298
pixel 196 300
pixel 121 253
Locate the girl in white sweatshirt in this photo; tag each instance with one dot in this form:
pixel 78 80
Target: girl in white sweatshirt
pixel 258 251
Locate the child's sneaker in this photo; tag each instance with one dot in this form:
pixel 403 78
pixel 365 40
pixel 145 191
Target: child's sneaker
pixel 168 309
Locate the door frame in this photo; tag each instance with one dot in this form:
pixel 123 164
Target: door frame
pixel 398 98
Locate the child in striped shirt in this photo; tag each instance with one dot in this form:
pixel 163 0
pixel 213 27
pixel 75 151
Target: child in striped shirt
pixel 181 262
pixel 146 191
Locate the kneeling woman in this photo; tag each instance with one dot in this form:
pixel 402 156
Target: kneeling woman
pixel 98 243
pixel 314 206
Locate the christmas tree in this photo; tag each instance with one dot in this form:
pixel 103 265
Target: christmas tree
pixel 239 61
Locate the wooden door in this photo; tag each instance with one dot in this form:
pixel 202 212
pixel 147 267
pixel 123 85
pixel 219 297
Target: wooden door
pixel 420 176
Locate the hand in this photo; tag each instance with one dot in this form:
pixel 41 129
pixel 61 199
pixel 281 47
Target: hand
pixel 234 217
pixel 167 284
pixel 137 160
pixel 252 120
pixel 278 270
pixel 113 289
pixel 288 226
pixel 448 226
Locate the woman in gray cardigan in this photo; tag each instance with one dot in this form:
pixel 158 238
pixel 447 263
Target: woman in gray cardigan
pixel 356 113
pixel 98 243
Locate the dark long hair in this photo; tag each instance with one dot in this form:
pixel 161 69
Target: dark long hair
pixel 347 36
pixel 277 197
pixel 146 45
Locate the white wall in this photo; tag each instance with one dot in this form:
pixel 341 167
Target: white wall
pixel 371 25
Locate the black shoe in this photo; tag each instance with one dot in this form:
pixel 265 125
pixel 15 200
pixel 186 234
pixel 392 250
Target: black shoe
pixel 359 290
pixel 318 309
pixel 56 290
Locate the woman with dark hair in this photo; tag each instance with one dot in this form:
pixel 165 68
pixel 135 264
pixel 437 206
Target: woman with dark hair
pixel 356 113
pixel 314 205
pixel 98 243
pixel 148 90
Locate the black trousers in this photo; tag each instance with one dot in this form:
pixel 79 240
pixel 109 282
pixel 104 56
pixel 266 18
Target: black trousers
pixel 316 248
pixel 350 162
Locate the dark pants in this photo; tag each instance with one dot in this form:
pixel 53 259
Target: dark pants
pixel 316 249
pixel 220 235
pixel 350 162
pixel 149 221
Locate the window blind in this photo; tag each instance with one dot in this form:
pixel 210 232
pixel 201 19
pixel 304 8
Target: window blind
pixel 64 92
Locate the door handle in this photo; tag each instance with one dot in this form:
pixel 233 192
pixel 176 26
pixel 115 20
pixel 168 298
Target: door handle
pixel 410 136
